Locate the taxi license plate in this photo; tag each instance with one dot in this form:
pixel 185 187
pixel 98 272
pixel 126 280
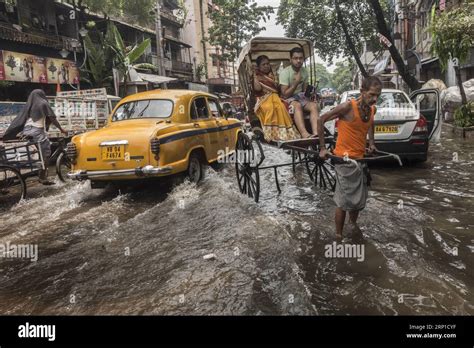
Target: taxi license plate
pixel 113 153
pixel 386 129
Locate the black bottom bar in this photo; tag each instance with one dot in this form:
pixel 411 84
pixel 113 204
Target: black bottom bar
pixel 416 330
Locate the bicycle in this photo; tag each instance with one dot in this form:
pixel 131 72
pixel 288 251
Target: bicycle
pixel 62 164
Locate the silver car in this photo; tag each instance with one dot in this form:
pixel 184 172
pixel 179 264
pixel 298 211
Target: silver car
pixel 404 125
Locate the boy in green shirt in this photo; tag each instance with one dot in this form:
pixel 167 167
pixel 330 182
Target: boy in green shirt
pixel 294 80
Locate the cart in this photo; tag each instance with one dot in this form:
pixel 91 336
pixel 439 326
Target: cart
pixel 250 159
pixel 19 160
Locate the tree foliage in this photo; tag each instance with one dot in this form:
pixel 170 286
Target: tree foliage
pixel 138 11
pixel 323 76
pixel 452 34
pixel 98 66
pixel 318 22
pixel 234 23
pixel 342 77
pixel 109 52
pixel 452 37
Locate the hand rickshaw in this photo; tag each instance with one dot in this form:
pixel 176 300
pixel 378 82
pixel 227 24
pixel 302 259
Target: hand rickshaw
pixel 22 159
pixel 250 154
pixel 19 160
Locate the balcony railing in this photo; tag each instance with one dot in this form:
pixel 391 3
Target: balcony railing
pixel 171 17
pixel 36 38
pixel 182 66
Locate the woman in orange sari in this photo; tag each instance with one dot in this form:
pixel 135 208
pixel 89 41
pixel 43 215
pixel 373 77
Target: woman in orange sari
pixel 270 110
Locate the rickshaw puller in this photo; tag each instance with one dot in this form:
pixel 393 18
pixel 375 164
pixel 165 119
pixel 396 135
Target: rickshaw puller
pixel 356 120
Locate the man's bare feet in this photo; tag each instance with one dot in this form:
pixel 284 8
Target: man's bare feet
pixel 356 232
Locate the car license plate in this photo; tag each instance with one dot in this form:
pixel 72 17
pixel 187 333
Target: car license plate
pixel 111 153
pixel 386 129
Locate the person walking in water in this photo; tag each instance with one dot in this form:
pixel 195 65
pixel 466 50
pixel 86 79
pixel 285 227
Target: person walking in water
pixel 32 123
pixel 356 121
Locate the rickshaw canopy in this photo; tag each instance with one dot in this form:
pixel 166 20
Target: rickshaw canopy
pixel 275 48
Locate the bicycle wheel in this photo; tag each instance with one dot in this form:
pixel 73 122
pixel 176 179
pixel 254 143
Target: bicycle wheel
pixel 12 186
pixel 63 166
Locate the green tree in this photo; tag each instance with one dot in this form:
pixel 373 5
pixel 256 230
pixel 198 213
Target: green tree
pixel 98 65
pixel 342 77
pixel 234 23
pixel 452 37
pixel 138 11
pixel 338 28
pixel 124 57
pixel 322 75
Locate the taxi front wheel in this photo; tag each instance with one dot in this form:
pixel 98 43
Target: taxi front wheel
pixel 195 168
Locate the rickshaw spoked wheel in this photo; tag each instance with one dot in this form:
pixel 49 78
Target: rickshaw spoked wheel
pixel 247 174
pixel 321 172
pixel 295 156
pixel 12 186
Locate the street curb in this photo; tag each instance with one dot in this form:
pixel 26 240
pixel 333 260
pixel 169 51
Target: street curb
pixel 462 132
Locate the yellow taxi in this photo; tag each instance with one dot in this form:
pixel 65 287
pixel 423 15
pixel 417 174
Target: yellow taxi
pixel 153 134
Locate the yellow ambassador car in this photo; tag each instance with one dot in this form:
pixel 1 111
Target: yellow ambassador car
pixel 154 134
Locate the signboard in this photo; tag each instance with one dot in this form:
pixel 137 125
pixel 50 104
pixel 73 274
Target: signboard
pixel 23 67
pixel 2 72
pixel 384 40
pixel 62 71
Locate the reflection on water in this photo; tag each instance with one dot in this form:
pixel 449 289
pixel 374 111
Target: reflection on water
pixel 141 251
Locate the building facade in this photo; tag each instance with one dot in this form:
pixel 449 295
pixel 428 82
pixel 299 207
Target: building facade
pixel 410 22
pixel 208 68
pixel 37 35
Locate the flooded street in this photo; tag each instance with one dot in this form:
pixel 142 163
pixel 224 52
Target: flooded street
pixel 142 252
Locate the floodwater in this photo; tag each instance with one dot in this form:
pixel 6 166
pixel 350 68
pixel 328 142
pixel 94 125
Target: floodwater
pixel 142 252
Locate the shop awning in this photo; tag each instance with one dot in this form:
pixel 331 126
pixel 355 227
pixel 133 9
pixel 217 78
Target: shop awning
pixel 155 78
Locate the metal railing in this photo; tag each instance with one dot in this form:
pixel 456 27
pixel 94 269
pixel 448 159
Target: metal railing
pixel 182 66
pixel 7 32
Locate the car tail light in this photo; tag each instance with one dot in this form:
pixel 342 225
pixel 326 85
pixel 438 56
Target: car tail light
pixel 421 125
pixel 71 152
pixel 155 148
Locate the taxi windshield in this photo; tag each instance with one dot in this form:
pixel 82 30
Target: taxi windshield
pixel 152 108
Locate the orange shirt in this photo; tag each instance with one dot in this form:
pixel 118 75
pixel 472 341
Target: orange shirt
pixel 352 135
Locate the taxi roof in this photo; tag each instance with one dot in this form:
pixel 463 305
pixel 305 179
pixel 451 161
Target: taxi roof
pixel 166 94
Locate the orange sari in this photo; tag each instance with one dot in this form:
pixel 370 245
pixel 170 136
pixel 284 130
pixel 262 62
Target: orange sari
pixel 272 113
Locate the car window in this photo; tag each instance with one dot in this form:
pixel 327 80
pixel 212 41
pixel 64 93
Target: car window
pixel 393 100
pixel 215 110
pixel 152 108
pixel 201 108
pixel 386 99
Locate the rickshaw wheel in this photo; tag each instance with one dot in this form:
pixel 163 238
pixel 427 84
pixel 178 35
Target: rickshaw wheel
pixel 321 172
pixel 295 156
pixel 248 176
pixel 12 186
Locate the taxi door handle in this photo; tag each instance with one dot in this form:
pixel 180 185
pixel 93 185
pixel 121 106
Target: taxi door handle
pixel 196 125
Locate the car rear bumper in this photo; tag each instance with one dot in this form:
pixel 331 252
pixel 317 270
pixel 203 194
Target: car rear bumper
pixel 146 171
pixel 414 148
